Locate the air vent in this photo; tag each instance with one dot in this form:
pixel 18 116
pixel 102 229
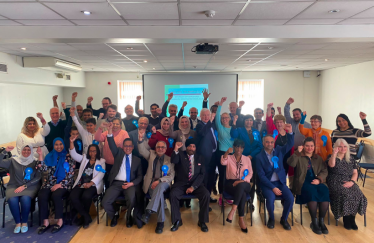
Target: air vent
pixel 3 68
pixel 68 77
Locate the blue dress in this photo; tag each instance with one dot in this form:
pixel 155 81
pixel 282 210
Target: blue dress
pixel 310 192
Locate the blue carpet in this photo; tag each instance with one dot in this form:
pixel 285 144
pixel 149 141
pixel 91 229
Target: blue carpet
pixel 7 235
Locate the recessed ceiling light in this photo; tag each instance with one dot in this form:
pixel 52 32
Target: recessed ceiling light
pixel 86 12
pixel 129 48
pixel 326 60
pixel 23 48
pixel 194 67
pixel 334 11
pixel 248 60
pixel 145 61
pixel 270 47
pixel 154 68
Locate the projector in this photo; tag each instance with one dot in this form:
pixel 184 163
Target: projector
pixel 205 48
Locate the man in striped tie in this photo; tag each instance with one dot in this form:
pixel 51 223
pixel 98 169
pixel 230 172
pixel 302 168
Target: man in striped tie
pixel 189 176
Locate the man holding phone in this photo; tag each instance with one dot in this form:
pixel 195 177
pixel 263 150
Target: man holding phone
pixel 125 175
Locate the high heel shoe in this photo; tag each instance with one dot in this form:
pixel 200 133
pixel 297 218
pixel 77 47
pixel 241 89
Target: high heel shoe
pixel 229 220
pixel 244 230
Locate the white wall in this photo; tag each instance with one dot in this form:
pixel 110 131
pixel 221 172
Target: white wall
pixel 347 90
pixel 278 87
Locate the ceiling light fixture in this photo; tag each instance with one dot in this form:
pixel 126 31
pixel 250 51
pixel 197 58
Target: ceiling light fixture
pixel 86 12
pixel 326 60
pixel 194 67
pixel 145 61
pixel 270 47
pixel 334 11
pixel 154 68
pixel 248 60
pixel 23 48
pixel 129 48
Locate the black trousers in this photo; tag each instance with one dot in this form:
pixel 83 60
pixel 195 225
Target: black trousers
pixel 210 173
pixel 81 199
pixel 239 192
pixel 113 192
pixel 201 193
pixel 108 168
pixel 45 195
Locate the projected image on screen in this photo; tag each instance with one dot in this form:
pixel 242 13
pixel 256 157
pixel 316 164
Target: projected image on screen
pixel 192 93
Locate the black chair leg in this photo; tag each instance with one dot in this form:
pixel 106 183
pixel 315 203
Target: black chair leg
pixel 363 185
pixel 365 219
pixel 301 214
pixel 4 203
pixel 265 211
pixel 328 215
pixel 97 210
pixel 292 216
pixel 223 211
pixel 250 210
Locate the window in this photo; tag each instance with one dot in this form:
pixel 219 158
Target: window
pixel 127 92
pixel 252 92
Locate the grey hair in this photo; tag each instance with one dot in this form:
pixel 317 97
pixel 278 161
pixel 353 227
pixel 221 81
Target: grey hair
pixel 144 118
pixel 173 105
pixel 348 153
pixel 162 142
pixel 204 110
pixel 266 136
pixel 53 108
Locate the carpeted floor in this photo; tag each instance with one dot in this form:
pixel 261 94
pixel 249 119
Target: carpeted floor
pixel 7 235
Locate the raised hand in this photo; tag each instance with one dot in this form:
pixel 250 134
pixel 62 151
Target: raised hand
pixel 89 100
pixel 101 115
pixel 140 112
pixel 288 127
pixel 184 104
pixel 159 111
pixel 73 138
pixel 154 129
pixel 72 109
pixel 235 119
pixel 336 150
pixel 63 104
pixel 139 97
pixel 178 145
pixel 279 110
pixel 230 150
pixel 104 125
pixel 216 103
pixel 54 98
pixel 300 148
pixel 140 135
pixel 39 115
pixel 362 115
pixel 172 119
pixel 270 105
pixel 9 148
pixel 110 127
pixel 303 116
pixel 39 151
pixel 241 103
pixel 212 116
pixel 74 96
pixel 223 99
pixel 206 94
pixel 170 96
pixel 290 101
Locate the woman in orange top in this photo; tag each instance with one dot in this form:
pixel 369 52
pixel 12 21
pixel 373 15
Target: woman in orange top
pixel 322 138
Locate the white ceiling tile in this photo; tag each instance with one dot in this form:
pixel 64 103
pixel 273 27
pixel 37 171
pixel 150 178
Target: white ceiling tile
pixel 165 47
pixel 8 22
pixel 99 22
pixel 357 21
pixel 347 9
pixel 27 11
pixel 365 14
pixel 91 46
pixel 148 11
pixel 55 22
pixel 313 21
pixel 205 22
pixel 274 10
pixel 153 22
pixel 2 17
pixel 261 22
pixel 72 1
pixel 74 10
pixel 223 10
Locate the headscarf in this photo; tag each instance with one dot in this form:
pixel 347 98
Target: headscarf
pixel 345 117
pixel 25 160
pixel 165 133
pixel 188 129
pixel 51 160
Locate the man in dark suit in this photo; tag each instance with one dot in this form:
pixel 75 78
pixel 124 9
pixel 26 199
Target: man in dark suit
pixel 189 175
pixel 258 123
pixel 105 102
pixel 155 117
pixel 207 146
pixel 272 176
pixel 125 176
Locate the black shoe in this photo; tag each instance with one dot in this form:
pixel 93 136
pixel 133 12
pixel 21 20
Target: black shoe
pixel 43 229
pixel 188 203
pixel 244 230
pixel 129 222
pixel 87 222
pixel 146 216
pixel 353 222
pixel 323 226
pixel 213 200
pixel 176 225
pixel 285 224
pixel 229 220
pixel 159 227
pixel 113 223
pixel 315 226
pixel 347 222
pixel 57 228
pixel 270 224
pixel 210 209
pixel 203 226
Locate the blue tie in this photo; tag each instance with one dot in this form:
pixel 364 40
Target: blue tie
pixel 128 169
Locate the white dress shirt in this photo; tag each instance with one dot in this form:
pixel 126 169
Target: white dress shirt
pixel 121 176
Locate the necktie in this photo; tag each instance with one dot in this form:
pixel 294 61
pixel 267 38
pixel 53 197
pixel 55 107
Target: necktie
pixel 128 169
pixel 190 169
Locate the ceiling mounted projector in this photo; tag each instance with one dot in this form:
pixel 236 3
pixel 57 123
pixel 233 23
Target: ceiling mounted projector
pixel 205 48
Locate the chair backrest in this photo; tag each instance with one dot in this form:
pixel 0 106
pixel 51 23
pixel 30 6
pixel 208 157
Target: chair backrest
pixel 368 154
pixel 360 150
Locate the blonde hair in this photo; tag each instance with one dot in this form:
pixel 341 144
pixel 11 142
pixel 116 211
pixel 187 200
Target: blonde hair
pixel 24 129
pixel 348 153
pixel 224 113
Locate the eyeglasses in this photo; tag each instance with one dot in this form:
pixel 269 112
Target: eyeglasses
pixel 127 146
pixel 225 117
pixel 160 147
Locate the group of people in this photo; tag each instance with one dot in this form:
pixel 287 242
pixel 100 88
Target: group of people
pixel 75 157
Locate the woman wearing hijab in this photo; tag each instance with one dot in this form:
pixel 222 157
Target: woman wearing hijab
pixel 32 134
pixel 89 181
pixel 23 185
pixel 59 180
pixel 345 130
pixel 162 135
pixel 183 133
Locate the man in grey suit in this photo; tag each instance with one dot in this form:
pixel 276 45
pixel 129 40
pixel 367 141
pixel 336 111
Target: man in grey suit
pixel 258 123
pixel 156 181
pixel 125 176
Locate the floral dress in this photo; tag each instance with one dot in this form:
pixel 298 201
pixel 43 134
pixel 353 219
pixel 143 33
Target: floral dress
pixel 345 201
pixel 50 180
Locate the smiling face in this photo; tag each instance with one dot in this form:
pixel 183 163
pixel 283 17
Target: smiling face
pixel 225 119
pixel 90 127
pixel 191 149
pixel 205 116
pixel 342 148
pixel 166 125
pixel 279 124
pixel 154 110
pixel 309 147
pixel 238 151
pixel 128 147
pixel 172 111
pixel 105 103
pixel 116 125
pixel 79 110
pixel 92 152
pixel 58 146
pixel 184 123
pixel 342 123
pixel 233 106
pixel 129 110
pixel 31 126
pixel 142 123
pixel 296 116
pixel 259 114
pixel 315 124
pixel 111 113
pixel 248 123
pixel 193 113
pixel 268 143
pixel 55 114
pixel 86 115
pixel 160 148
pixel 26 151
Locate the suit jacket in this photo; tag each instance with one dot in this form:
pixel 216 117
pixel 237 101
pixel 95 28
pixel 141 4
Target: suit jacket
pixel 150 156
pixel 263 127
pixel 134 136
pixel 239 122
pixel 264 168
pixel 136 173
pixel 152 121
pixel 182 169
pixel 206 142
pixel 251 149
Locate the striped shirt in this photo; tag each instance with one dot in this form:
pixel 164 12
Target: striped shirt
pixel 351 135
